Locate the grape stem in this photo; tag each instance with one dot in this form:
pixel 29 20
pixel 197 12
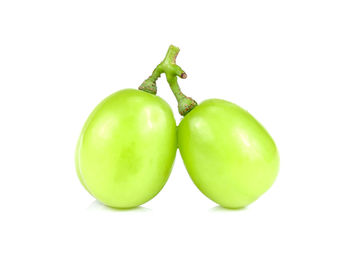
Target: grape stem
pixel 172 71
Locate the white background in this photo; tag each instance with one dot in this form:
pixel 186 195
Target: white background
pixel 286 62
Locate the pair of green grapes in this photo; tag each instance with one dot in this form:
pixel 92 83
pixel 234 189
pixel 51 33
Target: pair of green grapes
pixel 127 147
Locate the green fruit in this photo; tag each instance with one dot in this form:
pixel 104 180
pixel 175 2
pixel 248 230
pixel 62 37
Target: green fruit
pixel 127 148
pixel 229 155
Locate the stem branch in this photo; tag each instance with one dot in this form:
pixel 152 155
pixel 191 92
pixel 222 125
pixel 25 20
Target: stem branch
pixel 172 71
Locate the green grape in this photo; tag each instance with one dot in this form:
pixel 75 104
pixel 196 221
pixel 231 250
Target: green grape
pixel 127 148
pixel 228 154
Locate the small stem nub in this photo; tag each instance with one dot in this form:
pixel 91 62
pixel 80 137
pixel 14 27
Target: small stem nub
pixel 172 71
pixel 149 85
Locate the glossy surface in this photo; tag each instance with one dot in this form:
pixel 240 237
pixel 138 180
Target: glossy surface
pixel 127 148
pixel 230 157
